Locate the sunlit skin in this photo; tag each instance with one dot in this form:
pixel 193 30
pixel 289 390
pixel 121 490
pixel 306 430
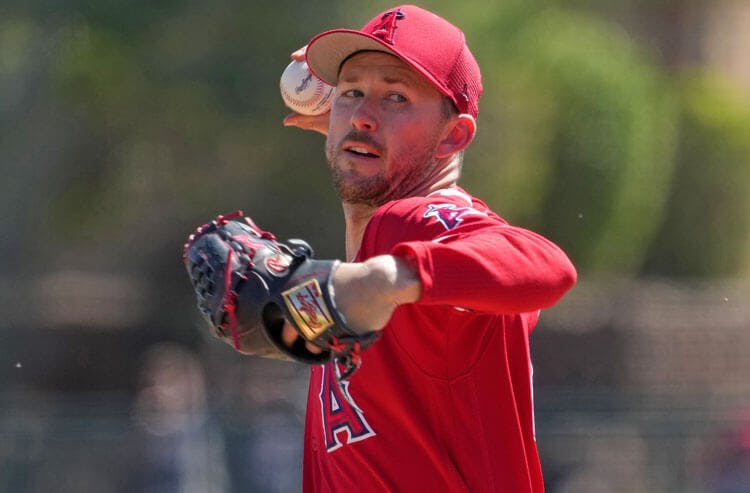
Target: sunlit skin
pixel 387 138
pixel 379 147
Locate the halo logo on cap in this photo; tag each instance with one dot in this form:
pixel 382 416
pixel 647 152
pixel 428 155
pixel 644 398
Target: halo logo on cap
pixel 387 29
pixel 432 46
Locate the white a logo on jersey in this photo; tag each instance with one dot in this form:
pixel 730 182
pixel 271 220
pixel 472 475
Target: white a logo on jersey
pixel 341 416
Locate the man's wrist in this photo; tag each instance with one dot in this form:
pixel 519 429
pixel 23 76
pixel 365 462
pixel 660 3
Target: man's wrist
pixel 367 293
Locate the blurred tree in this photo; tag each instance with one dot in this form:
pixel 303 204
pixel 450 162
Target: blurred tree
pixel 706 230
pixel 580 138
pixel 123 125
pixel 146 111
pixel 183 99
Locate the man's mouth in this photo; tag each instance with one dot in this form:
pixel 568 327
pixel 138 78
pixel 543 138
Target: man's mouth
pixel 361 145
pixel 361 151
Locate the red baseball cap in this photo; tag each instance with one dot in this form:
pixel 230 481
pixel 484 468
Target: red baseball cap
pixel 428 43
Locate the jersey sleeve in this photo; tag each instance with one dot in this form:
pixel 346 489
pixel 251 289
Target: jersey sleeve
pixel 468 257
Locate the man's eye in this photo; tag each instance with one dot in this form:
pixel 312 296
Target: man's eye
pixel 353 93
pixel 397 98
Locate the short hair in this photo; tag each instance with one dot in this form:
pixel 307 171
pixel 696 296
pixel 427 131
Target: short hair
pixel 448 108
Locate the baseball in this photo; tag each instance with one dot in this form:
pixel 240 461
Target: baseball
pixel 302 92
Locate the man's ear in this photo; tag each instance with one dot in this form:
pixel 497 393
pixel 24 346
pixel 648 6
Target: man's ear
pixel 460 132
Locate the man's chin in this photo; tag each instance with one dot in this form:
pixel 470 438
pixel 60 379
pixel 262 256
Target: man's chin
pixel 370 192
pixel 355 199
pixel 358 197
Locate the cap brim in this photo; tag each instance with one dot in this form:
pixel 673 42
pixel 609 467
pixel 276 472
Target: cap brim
pixel 327 51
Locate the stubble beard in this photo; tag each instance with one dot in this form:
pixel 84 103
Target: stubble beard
pixel 414 169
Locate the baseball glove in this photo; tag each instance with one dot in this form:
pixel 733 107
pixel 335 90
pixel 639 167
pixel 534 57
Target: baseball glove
pixel 248 284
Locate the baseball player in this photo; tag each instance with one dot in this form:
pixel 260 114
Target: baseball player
pixel 419 344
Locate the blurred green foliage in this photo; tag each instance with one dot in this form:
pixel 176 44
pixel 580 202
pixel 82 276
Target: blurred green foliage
pixel 583 144
pixel 706 227
pixel 121 117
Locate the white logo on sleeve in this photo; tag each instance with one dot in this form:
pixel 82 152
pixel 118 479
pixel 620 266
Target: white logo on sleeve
pixel 450 215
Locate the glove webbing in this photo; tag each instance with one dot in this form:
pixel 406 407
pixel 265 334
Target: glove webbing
pixel 230 295
pixel 230 301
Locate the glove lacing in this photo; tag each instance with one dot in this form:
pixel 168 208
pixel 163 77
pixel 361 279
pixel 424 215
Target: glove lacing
pixel 230 301
pixel 351 360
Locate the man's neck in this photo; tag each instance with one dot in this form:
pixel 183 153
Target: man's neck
pixel 356 217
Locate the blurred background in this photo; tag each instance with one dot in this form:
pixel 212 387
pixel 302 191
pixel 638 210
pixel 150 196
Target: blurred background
pixel 620 129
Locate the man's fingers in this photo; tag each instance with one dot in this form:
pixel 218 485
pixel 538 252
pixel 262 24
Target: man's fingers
pixel 317 123
pixel 313 348
pixel 299 54
pixel 289 335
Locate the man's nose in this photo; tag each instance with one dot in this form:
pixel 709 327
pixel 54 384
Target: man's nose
pixel 364 116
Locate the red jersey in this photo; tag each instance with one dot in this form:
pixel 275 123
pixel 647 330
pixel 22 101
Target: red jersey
pixel 443 400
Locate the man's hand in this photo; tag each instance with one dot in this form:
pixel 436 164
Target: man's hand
pixel 367 293
pixel 248 285
pixel 317 123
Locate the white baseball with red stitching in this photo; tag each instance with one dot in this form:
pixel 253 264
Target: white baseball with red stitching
pixel 302 92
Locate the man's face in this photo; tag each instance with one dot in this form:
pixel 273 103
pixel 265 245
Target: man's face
pixel 386 122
